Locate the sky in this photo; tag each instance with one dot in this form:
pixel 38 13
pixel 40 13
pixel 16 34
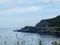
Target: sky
pixel 21 13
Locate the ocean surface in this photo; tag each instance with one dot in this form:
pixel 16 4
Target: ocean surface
pixel 8 37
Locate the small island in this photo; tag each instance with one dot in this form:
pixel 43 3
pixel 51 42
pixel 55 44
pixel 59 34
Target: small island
pixel 45 26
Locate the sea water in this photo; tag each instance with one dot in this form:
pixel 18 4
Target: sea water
pixel 9 37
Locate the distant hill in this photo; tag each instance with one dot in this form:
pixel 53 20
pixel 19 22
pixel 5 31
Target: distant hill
pixel 46 26
pixel 53 22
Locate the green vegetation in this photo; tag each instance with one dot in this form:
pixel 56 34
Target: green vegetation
pixel 40 43
pixel 29 28
pixel 53 43
pixel 54 22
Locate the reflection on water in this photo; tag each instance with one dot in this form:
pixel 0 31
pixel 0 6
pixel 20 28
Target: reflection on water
pixel 8 37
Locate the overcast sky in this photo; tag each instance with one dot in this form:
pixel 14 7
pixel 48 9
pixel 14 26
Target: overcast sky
pixel 20 13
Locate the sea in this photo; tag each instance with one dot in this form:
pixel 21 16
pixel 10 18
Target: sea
pixel 9 37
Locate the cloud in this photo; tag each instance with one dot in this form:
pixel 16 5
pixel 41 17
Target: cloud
pixel 55 10
pixel 26 1
pixel 4 1
pixel 55 0
pixel 22 10
pixel 18 3
pixel 49 1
